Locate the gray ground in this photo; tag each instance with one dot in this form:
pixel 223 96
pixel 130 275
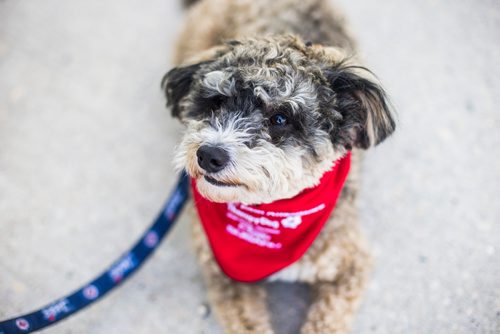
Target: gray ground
pixel 86 149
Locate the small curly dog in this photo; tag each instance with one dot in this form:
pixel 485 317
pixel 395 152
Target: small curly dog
pixel 276 109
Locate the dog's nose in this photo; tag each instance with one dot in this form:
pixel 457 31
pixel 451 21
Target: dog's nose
pixel 212 158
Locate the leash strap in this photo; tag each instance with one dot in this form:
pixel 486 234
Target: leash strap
pixel 118 272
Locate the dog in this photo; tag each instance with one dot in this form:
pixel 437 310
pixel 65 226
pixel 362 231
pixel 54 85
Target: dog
pixel 277 111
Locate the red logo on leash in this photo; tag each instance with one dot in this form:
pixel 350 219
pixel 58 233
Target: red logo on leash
pixel 151 239
pixel 91 292
pixel 22 324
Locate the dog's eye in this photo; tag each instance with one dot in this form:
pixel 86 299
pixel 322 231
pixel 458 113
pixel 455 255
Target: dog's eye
pixel 279 119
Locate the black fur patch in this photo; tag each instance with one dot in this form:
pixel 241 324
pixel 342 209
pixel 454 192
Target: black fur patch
pixel 177 84
pixel 357 99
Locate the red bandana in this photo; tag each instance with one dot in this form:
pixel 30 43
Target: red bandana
pixel 251 242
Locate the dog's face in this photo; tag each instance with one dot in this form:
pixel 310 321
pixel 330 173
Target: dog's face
pixel 266 118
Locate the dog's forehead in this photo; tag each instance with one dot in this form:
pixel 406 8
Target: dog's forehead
pixel 267 53
pixel 276 74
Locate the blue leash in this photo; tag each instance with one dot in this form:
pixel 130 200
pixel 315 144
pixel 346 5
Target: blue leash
pixel 118 272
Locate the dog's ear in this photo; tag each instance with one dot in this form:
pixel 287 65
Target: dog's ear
pixel 178 81
pixel 366 116
pixel 176 85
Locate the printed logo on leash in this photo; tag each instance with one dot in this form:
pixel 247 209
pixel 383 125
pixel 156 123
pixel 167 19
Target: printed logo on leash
pixel 122 267
pixel 251 242
pixel 176 199
pixel 51 312
pixel 151 239
pixel 90 292
pixel 22 324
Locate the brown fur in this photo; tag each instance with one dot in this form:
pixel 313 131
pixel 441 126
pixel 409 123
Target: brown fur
pixel 211 22
pixel 338 262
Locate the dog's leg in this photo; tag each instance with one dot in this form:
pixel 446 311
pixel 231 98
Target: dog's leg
pixel 334 303
pixel 240 308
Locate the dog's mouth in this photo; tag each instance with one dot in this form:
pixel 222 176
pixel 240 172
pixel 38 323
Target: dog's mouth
pixel 218 183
